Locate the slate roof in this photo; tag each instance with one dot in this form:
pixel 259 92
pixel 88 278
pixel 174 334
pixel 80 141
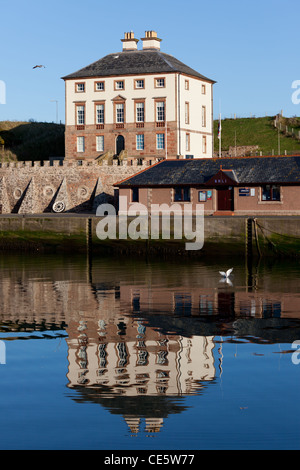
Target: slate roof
pixel 135 62
pixel 247 170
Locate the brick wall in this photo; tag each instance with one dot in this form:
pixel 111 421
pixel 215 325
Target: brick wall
pixel 129 132
pixel 245 206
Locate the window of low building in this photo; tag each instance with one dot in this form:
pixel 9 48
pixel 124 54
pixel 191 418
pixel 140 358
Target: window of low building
pixel 270 192
pixel 135 195
pixel 182 194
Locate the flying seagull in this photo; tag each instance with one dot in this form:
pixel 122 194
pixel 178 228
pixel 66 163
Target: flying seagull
pixel 227 273
pixel 38 66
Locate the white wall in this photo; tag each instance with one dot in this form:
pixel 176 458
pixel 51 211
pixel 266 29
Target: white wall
pixel 196 99
pixel 149 93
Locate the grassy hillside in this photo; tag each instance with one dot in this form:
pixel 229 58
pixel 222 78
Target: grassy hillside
pixel 39 140
pixel 259 131
pixel 31 140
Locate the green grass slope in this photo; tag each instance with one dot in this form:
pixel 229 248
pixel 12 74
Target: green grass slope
pixel 40 140
pixel 261 132
pixel 30 140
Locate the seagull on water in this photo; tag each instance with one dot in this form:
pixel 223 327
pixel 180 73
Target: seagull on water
pixel 226 274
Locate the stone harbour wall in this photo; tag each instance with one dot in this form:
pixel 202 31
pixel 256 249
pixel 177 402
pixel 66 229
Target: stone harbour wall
pixel 39 187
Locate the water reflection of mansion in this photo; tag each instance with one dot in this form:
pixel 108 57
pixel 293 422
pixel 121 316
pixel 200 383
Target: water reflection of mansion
pixel 139 345
pixel 131 360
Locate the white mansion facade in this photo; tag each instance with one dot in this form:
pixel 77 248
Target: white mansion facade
pixel 143 101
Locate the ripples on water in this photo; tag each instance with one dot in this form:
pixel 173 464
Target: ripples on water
pixel 148 354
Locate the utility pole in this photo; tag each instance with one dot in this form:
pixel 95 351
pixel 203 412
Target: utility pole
pixel 235 143
pixel 55 101
pixel 220 137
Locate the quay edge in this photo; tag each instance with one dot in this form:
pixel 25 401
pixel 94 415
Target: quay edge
pixel 223 236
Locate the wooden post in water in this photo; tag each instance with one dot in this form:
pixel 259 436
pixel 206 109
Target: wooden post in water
pixel 249 251
pixel 89 234
pixel 89 246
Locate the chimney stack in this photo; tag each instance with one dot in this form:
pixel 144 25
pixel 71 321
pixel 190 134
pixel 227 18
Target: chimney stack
pixel 151 41
pixel 129 42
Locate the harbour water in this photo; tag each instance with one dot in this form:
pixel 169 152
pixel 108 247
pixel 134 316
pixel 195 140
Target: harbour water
pixel 134 354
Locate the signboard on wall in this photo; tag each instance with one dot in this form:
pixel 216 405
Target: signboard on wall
pixel 202 196
pixel 244 191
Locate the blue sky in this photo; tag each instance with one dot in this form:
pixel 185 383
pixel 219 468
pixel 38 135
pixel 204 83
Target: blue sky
pixel 249 47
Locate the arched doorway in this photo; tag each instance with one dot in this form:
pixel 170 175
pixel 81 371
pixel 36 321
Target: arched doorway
pixel 120 144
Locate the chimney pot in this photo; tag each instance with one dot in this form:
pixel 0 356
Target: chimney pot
pixel 129 42
pixel 151 41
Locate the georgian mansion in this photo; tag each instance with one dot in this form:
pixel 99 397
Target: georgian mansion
pixel 144 104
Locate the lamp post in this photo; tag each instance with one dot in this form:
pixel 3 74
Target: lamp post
pixel 56 101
